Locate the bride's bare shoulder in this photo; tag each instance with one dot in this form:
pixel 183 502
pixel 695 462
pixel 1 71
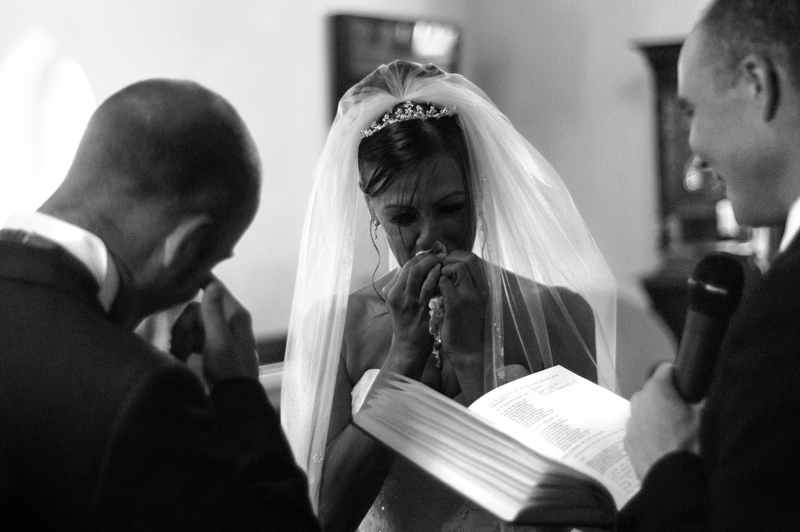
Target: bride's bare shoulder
pixel 367 330
pixel 367 300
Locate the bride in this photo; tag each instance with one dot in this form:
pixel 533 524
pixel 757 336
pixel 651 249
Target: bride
pixel 481 230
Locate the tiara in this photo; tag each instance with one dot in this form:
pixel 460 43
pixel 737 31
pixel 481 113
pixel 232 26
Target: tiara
pixel 408 111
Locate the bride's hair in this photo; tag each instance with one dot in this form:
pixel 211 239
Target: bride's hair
pixel 402 149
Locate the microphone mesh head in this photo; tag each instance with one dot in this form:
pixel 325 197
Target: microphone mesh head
pixel 715 286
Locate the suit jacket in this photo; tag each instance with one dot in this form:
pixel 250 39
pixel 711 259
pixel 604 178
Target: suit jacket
pixel 99 431
pixel 748 474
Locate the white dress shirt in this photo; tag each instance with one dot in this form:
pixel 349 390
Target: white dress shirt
pixel 792 225
pixel 85 246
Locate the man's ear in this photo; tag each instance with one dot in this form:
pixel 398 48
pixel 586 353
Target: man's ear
pixel 763 83
pixel 185 240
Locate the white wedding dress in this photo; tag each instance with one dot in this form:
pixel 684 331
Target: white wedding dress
pixel 526 224
pixel 412 500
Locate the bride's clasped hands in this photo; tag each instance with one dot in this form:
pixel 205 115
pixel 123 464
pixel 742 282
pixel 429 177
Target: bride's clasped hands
pixel 456 364
pixel 465 294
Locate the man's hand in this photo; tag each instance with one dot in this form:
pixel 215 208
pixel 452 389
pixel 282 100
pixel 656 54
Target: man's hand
pixel 660 423
pixel 219 328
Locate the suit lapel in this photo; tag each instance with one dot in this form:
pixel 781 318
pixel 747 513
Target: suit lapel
pixel 772 296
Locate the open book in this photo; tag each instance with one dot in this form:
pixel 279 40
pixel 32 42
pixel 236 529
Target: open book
pixel 545 449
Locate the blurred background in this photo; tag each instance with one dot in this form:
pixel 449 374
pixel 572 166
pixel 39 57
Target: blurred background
pixel 574 76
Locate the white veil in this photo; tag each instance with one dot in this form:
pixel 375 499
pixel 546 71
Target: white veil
pixel 527 224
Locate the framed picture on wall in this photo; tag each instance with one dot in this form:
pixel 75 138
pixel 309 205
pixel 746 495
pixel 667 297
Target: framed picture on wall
pixel 359 44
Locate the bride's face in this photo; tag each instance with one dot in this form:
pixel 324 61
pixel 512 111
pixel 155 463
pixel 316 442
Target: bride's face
pixel 417 211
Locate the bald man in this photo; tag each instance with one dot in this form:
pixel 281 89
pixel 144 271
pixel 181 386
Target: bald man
pixel 98 430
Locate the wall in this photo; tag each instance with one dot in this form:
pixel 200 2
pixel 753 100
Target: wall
pixel 565 71
pixel 268 58
pixel 569 76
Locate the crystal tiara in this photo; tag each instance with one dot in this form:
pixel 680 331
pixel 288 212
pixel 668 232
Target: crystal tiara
pixel 408 111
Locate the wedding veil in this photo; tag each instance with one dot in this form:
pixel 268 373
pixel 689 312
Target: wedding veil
pixel 527 224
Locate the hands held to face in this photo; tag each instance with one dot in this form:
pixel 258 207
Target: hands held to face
pixel 466 292
pixel 460 279
pixel 220 329
pixel 661 422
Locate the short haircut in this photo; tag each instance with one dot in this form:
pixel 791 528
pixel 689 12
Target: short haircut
pixel 771 28
pixel 171 142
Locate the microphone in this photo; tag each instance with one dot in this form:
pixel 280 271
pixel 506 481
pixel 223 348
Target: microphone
pixel 714 291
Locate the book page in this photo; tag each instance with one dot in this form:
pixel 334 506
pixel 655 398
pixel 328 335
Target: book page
pixel 569 418
pixel 475 457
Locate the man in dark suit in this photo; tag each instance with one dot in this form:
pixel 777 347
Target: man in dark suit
pixel 98 430
pixel 739 76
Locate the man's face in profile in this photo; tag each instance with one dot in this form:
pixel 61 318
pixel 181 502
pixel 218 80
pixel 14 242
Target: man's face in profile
pixel 726 127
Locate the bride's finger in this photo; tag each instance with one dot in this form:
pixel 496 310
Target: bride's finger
pixel 447 288
pixel 459 275
pixel 399 281
pixel 418 273
pixel 389 285
pixel 473 270
pixel 431 283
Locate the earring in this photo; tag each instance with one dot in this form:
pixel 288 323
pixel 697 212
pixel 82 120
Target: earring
pixel 375 225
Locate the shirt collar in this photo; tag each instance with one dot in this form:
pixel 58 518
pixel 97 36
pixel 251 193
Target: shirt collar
pixel 792 225
pixel 85 246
